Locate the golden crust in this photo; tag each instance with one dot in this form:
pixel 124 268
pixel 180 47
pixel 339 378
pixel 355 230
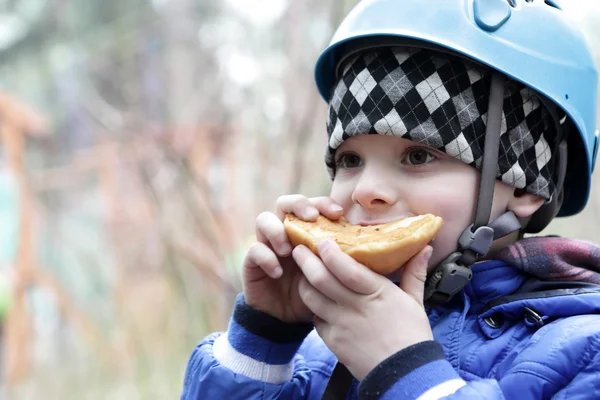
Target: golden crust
pixel 382 248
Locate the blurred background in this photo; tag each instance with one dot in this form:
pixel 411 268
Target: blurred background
pixel 139 139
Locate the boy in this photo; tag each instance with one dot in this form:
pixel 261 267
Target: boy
pixel 466 110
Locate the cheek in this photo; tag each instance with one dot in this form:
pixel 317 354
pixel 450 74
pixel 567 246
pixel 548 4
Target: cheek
pixel 502 195
pixel 455 204
pixel 458 209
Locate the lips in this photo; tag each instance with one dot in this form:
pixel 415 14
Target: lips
pixel 370 223
pixel 367 222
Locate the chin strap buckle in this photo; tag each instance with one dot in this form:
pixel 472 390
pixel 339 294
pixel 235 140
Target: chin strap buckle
pixel 448 279
pixel 454 273
pixel 479 242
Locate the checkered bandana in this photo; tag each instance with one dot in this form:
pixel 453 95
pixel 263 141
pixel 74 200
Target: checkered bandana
pixel 441 101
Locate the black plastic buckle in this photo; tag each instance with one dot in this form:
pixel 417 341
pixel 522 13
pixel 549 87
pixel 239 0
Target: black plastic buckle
pixel 448 279
pixel 479 241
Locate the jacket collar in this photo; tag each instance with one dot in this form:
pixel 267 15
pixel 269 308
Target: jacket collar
pixel 502 295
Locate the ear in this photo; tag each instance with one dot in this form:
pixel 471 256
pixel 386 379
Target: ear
pixel 524 204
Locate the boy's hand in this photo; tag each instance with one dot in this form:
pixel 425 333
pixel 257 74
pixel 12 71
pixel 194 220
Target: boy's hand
pixel 362 316
pixel 270 275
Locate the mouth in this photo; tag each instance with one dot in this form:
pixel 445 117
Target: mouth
pixel 371 223
pixel 367 222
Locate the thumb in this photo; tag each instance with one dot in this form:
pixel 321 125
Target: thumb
pixel 415 274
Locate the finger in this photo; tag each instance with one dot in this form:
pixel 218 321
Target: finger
pixel 327 206
pixel 350 273
pixel 261 258
pixel 320 305
pixel 270 231
pixel 318 322
pixel 319 276
pixel 296 204
pixel 415 274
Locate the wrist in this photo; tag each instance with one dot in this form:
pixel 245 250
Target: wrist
pixel 264 325
pixel 412 372
pixel 258 345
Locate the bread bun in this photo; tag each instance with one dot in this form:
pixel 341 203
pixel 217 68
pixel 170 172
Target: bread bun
pixel 382 248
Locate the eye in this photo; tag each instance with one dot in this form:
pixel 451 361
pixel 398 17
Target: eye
pixel 418 156
pixel 348 161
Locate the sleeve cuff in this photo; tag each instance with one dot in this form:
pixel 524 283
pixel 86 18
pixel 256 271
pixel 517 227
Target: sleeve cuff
pixel 417 372
pixel 262 337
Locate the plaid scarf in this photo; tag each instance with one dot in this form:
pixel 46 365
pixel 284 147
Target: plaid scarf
pixel 555 258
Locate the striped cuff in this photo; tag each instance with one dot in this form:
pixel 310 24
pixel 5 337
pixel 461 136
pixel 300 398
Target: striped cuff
pixel 418 372
pixel 259 346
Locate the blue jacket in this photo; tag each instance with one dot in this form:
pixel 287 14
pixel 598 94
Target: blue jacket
pixel 509 335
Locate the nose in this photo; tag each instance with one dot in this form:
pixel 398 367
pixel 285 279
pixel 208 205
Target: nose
pixel 372 191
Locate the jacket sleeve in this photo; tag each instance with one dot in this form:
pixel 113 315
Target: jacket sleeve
pixel 422 372
pixel 257 358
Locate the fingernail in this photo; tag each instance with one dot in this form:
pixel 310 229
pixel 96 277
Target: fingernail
pixel 325 244
pixel 312 212
pixel 336 208
pixel 277 272
pixel 428 253
pixel 285 249
pixel 299 254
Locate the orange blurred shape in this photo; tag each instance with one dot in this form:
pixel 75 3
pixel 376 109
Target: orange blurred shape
pixel 21 117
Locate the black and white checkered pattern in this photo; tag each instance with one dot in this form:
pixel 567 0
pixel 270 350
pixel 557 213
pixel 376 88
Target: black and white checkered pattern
pixel 441 100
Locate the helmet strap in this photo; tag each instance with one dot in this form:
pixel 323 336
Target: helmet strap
pixel 454 273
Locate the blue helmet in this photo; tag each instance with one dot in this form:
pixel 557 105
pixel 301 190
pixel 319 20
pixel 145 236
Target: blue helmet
pixel 530 41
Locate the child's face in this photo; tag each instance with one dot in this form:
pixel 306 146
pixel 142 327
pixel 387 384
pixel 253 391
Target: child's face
pixel 384 178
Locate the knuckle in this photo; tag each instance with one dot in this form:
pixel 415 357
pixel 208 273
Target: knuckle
pixel 326 255
pixel 268 224
pixel 303 289
pixel 352 279
pixel 260 253
pixel 284 198
pixel 262 218
pixel 254 250
pixel 336 340
pixel 266 254
pixel 299 202
pixel 420 276
pixel 317 201
pixel 288 199
pixel 319 280
pixel 281 199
